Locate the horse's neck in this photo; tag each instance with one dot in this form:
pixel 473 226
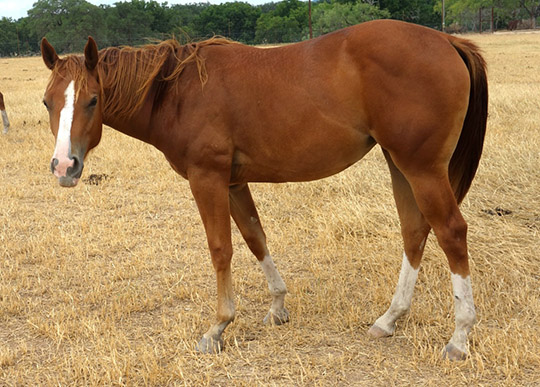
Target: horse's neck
pixel 135 125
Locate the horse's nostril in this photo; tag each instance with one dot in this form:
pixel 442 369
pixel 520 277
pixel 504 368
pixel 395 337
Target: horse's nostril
pixel 76 169
pixel 54 163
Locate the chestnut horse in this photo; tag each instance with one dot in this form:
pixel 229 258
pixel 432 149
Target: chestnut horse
pixel 225 114
pixel 3 112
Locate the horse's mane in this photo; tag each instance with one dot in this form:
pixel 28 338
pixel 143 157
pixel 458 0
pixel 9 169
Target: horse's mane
pixel 128 73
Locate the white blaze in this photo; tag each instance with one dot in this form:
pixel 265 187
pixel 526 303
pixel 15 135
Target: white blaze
pixel 62 151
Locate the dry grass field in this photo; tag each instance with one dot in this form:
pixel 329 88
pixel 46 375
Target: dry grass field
pixel 111 283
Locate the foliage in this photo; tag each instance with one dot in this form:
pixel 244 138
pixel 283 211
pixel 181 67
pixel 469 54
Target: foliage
pixel 8 34
pixel 286 22
pixel 65 23
pixel 465 14
pixel 68 23
pixel 328 17
pixel 235 20
pixel 183 17
pixel 414 11
pixel 128 23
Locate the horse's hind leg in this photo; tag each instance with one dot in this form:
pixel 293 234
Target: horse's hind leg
pixel 414 229
pixel 245 215
pixel 436 201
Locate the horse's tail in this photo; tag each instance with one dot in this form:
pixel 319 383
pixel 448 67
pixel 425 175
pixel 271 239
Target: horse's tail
pixel 466 157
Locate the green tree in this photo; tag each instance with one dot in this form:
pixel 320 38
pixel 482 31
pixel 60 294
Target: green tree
pixel 129 23
pixel 277 29
pixel 286 22
pixel 421 12
pixel 8 37
pixel 234 20
pixel 532 7
pixel 465 13
pixel 27 41
pixel 328 17
pixel 183 16
pixel 161 17
pixel 66 23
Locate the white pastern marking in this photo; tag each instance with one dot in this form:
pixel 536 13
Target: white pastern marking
pixel 401 301
pixel 62 151
pixel 405 288
pixel 464 309
pixel 465 312
pixel 5 120
pixel 275 282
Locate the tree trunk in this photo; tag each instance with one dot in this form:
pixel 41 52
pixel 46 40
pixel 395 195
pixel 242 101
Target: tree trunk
pixel 480 20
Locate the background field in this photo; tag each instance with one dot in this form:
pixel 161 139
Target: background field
pixel 111 283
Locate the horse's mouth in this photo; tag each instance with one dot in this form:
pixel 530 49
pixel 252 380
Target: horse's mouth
pixel 68 181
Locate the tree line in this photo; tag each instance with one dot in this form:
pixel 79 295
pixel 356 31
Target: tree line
pixel 482 15
pixel 67 23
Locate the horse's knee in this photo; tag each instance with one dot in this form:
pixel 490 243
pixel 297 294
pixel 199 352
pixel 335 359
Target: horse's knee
pixel 221 257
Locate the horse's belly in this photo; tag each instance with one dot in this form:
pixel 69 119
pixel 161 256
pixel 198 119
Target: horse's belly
pixel 307 158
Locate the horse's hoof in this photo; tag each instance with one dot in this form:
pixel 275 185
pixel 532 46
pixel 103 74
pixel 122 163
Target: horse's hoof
pixel 277 318
pixel 451 352
pixel 377 332
pixel 210 345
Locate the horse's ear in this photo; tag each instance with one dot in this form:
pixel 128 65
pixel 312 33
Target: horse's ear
pixel 48 54
pixel 91 55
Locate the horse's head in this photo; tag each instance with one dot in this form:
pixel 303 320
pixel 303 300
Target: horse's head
pixel 73 99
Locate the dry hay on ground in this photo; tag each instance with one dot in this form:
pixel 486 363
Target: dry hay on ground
pixel 111 282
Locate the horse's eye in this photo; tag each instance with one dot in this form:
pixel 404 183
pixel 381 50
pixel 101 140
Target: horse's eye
pixel 93 102
pixel 45 103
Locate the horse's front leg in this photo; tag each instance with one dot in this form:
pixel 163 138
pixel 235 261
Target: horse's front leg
pixel 211 192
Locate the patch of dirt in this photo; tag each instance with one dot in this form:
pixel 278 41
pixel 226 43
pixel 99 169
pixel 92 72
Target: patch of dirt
pixel 96 179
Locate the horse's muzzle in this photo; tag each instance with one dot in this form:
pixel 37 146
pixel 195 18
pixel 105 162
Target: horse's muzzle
pixel 68 172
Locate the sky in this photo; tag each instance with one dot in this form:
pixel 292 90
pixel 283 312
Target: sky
pixel 16 9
